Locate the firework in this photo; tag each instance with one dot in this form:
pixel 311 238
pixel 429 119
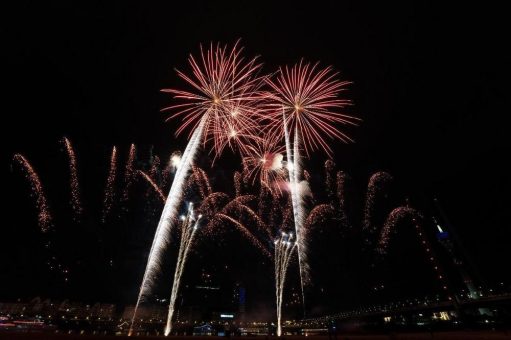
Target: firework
pixel 175 159
pixel 329 179
pixel 198 182
pixel 154 171
pixel 306 175
pixel 202 180
pixel 341 178
pixel 129 172
pixel 44 216
pixel 189 226
pixel 377 185
pixel 284 248
pixel 212 204
pixel 308 97
pixel 264 202
pixel 153 185
pixel 245 232
pixel 319 214
pixel 263 163
pixel 396 216
pixel 305 99
pixel 171 167
pixel 109 188
pixel 223 86
pixel 293 166
pixel 217 218
pixel 238 207
pixel 237 183
pixel 223 94
pixel 73 181
pixel 167 218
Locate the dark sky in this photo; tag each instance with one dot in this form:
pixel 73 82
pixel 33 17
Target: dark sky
pixel 430 82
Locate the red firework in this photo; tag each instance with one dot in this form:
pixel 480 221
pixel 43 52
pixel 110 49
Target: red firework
pixel 263 162
pixel 308 98
pixel 223 90
pixel 44 216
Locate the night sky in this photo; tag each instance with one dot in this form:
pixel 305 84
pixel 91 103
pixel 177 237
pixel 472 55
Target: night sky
pixel 431 84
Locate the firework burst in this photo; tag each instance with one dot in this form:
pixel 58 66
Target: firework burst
pixel 308 97
pixel 223 86
pixel 263 163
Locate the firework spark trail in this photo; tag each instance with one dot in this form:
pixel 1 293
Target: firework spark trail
pixel 189 227
pixel 205 180
pixel 44 216
pixel 238 206
pixel 306 175
pixel 200 178
pixel 73 181
pixel 296 201
pixel 377 184
pixel 263 205
pixel 245 199
pixel 389 228
pixel 329 179
pixel 211 204
pixel 164 228
pixel 153 184
pixel 109 188
pixel 299 212
pixel 238 209
pixel 211 209
pixel 129 172
pixel 237 183
pixel 276 210
pixel 154 174
pixel 319 214
pixel 165 176
pixel 284 247
pixel 288 215
pixel 341 178
pixel 245 232
pixel 293 165
pixel 155 167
